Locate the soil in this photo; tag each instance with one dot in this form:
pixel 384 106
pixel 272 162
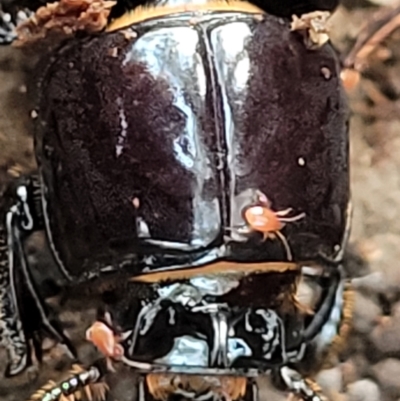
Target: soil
pixel 369 367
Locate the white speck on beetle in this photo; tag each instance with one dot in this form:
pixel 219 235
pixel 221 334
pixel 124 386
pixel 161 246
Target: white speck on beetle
pixel 336 248
pixel 326 73
pixel 136 203
pixel 34 114
pixel 301 161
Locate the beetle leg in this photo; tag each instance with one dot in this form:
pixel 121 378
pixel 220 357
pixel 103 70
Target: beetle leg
pixel 325 310
pixel 12 336
pixel 21 306
pixel 305 389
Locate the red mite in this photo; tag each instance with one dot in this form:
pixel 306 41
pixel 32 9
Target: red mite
pixel 260 217
pixel 105 340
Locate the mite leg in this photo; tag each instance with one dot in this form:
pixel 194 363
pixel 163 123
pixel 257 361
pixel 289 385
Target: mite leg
pixel 23 314
pixel 285 244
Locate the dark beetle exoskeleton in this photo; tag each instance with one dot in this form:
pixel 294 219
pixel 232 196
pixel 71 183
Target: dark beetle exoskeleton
pixel 201 151
pixel 163 132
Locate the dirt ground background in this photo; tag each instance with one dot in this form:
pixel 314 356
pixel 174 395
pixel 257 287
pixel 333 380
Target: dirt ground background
pixel 369 369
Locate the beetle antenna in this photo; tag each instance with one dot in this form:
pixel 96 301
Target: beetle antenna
pixel 80 381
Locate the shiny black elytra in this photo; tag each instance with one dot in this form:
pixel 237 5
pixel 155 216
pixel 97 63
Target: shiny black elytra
pixel 151 141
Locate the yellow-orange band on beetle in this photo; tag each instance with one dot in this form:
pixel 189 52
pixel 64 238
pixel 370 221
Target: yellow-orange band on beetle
pixel 217 268
pixel 143 13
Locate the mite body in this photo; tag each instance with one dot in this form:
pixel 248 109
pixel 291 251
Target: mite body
pixel 261 218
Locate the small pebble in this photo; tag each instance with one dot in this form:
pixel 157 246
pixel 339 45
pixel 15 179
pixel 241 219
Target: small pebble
pixel 355 367
pixel 364 390
pixel 48 344
pixel 330 379
pixel 349 372
pixel 387 373
pixel 366 314
pixel 123 386
pixel 370 284
pixel 385 336
pixel 267 392
pixel 379 252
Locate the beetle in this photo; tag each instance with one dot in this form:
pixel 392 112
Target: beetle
pixel 195 158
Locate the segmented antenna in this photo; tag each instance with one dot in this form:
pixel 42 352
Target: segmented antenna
pixel 81 384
